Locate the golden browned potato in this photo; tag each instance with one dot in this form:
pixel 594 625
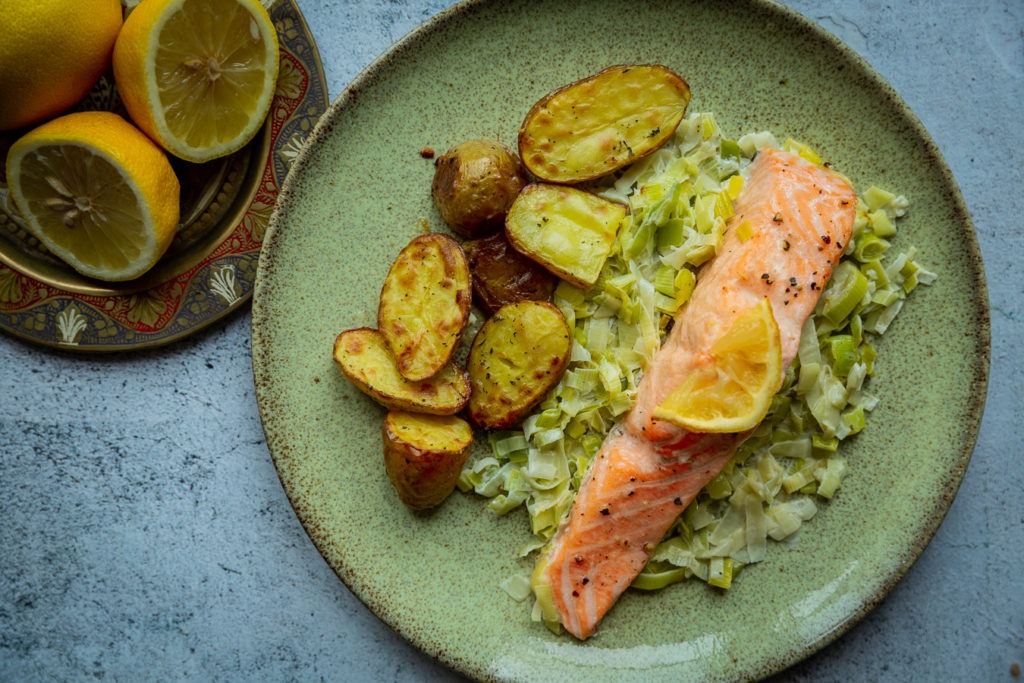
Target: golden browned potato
pixel 424 455
pixel 362 355
pixel 519 353
pixel 474 184
pixel 567 230
pixel 596 125
pixel 502 275
pixel 424 304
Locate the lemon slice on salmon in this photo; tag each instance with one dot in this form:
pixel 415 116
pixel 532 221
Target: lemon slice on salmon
pixel 97 193
pixel 198 76
pixel 733 389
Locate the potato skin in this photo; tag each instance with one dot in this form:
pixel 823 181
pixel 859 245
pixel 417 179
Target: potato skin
pixel 474 184
pixel 424 455
pixel 596 125
pixel 519 353
pixel 424 303
pixel 568 231
pixel 362 355
pixel 501 275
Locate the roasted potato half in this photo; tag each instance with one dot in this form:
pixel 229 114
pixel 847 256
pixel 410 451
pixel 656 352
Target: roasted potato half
pixel 474 184
pixel 424 455
pixel 362 355
pixel 424 304
pixel 501 275
pixel 594 126
pixel 567 230
pixel 519 353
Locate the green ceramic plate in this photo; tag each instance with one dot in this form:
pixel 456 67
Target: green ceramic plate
pixel 360 191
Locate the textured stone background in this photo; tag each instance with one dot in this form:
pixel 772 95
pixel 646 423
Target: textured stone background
pixel 144 534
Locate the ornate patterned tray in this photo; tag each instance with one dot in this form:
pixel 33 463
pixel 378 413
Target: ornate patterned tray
pixel 211 265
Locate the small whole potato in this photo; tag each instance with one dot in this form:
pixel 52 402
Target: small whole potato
pixel 474 184
pixel 501 275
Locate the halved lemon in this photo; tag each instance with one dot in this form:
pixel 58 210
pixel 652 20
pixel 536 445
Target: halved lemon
pixel 198 76
pixel 97 193
pixel 733 389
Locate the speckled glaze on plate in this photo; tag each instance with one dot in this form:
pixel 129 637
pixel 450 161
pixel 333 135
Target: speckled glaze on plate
pixel 210 267
pixel 360 191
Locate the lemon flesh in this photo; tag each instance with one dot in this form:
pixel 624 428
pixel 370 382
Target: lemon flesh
pixel 731 389
pixel 97 193
pixel 198 76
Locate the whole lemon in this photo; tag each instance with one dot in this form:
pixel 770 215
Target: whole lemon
pixel 51 53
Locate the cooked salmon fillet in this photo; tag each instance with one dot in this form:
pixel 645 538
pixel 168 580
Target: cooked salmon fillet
pixel 647 471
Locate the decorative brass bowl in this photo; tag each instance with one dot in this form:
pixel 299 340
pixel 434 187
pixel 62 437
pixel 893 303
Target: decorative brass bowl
pixel 211 265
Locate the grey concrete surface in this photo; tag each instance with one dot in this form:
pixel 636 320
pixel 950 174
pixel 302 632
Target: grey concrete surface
pixel 144 534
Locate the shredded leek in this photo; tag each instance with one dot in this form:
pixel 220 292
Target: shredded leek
pixel 679 200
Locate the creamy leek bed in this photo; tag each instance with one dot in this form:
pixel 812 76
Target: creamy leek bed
pixel 680 200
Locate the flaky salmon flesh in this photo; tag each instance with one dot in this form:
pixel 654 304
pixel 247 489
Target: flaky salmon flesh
pixel 647 471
